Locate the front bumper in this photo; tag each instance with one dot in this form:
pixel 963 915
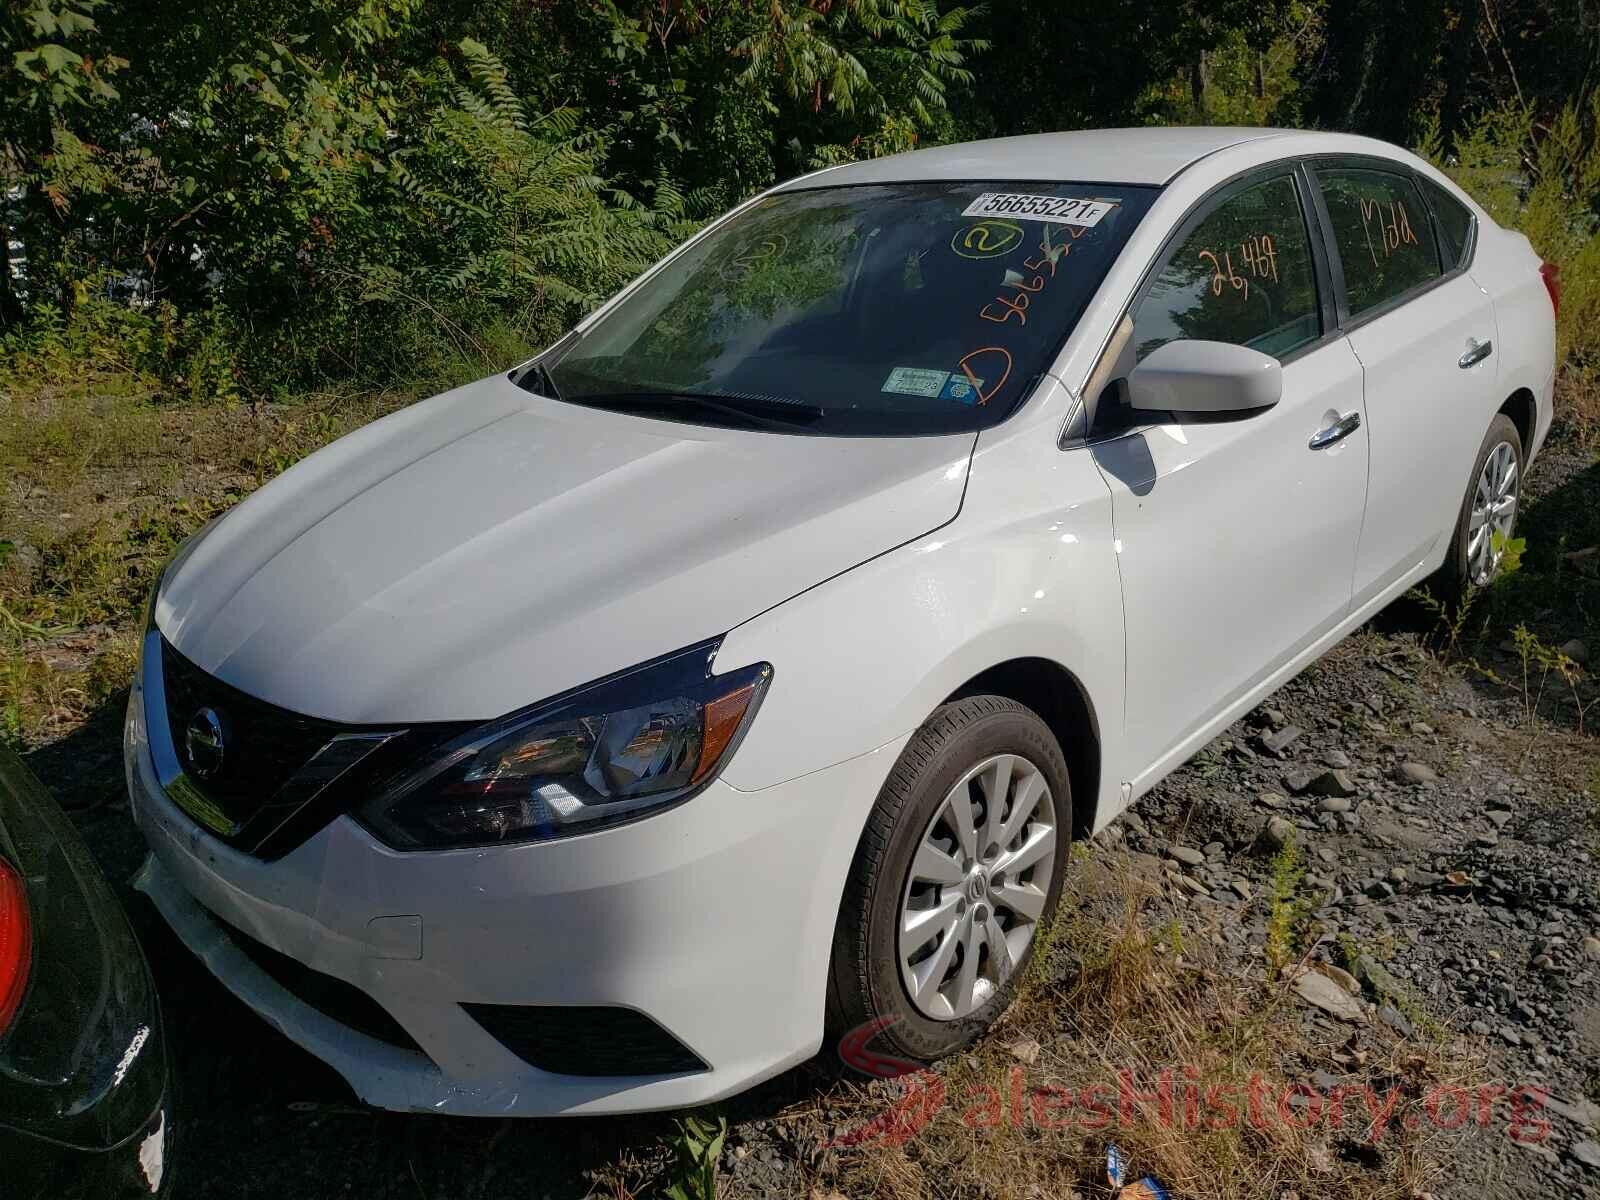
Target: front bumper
pixel 714 919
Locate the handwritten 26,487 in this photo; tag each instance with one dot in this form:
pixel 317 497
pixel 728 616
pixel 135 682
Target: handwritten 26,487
pixel 1256 252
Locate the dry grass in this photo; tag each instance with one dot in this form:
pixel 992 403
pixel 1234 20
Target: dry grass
pixel 1127 996
pixel 100 486
pixel 1577 403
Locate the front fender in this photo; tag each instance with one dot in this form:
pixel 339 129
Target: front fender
pixel 1027 570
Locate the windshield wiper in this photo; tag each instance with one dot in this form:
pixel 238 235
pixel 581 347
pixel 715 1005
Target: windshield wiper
pixel 680 406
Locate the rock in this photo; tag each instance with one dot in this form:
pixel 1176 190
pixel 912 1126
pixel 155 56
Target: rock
pixel 1333 804
pixel 1486 841
pixel 1279 740
pixel 1343 978
pixel 1277 832
pixel 1213 849
pixel 1575 650
pixel 1415 772
pixel 1380 889
pixel 1373 974
pixel 1397 875
pixel 1025 1051
pixel 1581 1112
pixel 1328 854
pixel 1316 988
pixel 1395 1020
pixel 1498 817
pixel 1586 1152
pixel 1591 947
pixel 1337 759
pixel 1509 1035
pixel 1187 855
pixel 1241 888
pixel 1270 800
pixel 1332 783
pixel 1299 781
pixel 1534 1148
pixel 1421 728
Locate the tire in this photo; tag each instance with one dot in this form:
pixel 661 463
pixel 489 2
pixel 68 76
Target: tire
pixel 869 978
pixel 1462 567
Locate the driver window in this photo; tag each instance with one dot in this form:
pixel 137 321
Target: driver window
pixel 1244 275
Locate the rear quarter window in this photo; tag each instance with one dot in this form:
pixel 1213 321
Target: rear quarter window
pixel 1455 224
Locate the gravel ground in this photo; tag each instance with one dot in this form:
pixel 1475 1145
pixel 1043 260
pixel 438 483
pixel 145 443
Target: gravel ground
pixel 1450 852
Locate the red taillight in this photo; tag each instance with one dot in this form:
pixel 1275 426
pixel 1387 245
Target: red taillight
pixel 1551 274
pixel 16 943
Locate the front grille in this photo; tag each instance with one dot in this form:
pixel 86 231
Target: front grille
pixel 264 744
pixel 586 1040
pixel 282 775
pixel 334 998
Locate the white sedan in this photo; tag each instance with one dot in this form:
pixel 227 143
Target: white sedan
pixel 596 736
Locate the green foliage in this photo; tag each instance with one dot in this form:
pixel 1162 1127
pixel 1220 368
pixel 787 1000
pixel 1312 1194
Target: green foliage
pixel 696 1148
pixel 1287 909
pixel 324 193
pixel 1544 180
pixel 883 67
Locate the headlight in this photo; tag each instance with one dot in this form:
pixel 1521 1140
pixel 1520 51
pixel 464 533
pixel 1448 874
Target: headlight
pixel 627 746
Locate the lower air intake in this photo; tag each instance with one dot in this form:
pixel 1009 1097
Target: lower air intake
pixel 587 1040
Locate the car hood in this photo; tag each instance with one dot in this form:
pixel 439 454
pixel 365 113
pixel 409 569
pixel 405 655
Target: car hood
pixel 489 547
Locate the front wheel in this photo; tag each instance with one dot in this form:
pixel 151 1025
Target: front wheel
pixel 1488 515
pixel 957 871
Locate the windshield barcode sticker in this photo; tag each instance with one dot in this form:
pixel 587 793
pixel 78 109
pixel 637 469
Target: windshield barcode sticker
pixel 1059 210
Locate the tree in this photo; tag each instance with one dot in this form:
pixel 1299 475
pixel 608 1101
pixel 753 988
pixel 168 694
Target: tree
pixel 53 68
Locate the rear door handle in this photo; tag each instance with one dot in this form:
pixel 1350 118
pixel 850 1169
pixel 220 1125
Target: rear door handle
pixel 1476 352
pixel 1337 432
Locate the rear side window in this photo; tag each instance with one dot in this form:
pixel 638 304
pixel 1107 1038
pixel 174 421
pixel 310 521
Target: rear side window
pixel 1242 275
pixel 1455 223
pixel 1385 239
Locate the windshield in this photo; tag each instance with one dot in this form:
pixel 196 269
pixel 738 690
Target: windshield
pixel 900 309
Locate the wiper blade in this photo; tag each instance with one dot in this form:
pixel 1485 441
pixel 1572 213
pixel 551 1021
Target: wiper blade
pixel 681 406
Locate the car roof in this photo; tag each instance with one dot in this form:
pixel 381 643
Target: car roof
pixel 1149 155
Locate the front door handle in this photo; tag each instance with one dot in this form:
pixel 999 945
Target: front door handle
pixel 1337 432
pixel 1476 352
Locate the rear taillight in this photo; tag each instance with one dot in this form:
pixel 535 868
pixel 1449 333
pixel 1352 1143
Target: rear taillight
pixel 16 943
pixel 1551 274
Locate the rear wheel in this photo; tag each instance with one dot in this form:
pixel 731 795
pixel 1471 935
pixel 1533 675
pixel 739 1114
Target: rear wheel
pixel 1488 515
pixel 958 870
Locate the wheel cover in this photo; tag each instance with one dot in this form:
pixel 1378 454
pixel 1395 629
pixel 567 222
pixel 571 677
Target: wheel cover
pixel 1494 510
pixel 977 887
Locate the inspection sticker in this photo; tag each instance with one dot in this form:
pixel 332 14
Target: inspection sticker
pixel 915 381
pixel 962 389
pixel 1059 210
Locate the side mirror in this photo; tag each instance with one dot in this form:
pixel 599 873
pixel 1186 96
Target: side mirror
pixel 1205 377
